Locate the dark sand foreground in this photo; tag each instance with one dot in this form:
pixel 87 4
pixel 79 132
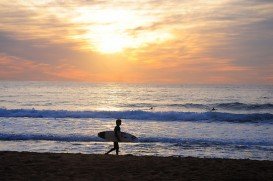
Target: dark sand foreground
pixel 49 166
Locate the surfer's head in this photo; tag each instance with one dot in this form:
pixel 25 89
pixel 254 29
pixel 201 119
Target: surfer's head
pixel 118 122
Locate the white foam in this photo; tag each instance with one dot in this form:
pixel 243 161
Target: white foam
pixel 139 115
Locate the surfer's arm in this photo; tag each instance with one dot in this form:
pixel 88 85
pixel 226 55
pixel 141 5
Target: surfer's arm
pixel 117 133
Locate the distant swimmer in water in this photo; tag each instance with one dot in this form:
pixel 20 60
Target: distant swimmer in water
pixel 151 108
pixel 213 109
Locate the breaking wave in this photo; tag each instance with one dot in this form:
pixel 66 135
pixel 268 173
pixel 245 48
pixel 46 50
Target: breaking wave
pixel 85 138
pixel 139 115
pixel 227 106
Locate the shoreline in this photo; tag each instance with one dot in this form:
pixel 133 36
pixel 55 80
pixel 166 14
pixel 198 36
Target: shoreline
pixel 70 166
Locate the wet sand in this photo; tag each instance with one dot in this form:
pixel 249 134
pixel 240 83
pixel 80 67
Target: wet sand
pixel 62 166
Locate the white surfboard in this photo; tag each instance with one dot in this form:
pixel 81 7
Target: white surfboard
pixel 110 136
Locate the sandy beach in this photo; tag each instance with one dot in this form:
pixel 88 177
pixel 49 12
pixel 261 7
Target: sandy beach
pixel 61 166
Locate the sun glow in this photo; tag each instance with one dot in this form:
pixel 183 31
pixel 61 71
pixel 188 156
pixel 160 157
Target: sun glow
pixel 112 43
pixel 112 31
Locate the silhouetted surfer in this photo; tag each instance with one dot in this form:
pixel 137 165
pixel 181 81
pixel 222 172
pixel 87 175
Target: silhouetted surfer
pixel 117 133
pixel 213 109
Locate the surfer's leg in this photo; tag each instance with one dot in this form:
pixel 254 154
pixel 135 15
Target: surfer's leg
pixel 116 146
pixel 111 149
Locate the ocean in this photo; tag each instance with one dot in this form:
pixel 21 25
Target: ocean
pixel 169 120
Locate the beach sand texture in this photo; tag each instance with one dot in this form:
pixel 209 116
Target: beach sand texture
pixel 61 166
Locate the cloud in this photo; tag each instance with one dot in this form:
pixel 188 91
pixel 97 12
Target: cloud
pixel 19 69
pixel 200 41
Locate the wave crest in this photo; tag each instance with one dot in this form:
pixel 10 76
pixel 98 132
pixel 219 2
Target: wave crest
pixel 138 115
pixel 226 106
pixel 87 138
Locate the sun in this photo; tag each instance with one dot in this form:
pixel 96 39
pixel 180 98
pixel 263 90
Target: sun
pixel 109 39
pixel 112 43
pixel 113 30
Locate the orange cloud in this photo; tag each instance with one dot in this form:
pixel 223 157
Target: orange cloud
pixel 19 69
pixel 146 41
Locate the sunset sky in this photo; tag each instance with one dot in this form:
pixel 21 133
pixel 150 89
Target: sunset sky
pixel 179 41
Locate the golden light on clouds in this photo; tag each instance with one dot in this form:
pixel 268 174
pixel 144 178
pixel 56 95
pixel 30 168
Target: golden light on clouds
pixel 141 41
pixel 109 30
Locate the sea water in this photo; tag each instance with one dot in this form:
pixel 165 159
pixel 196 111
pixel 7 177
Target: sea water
pixel 169 120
